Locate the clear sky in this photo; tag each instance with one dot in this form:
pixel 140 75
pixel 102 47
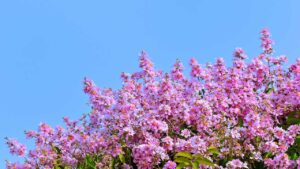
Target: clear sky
pixel 48 46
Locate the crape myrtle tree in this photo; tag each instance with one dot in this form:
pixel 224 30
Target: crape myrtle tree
pixel 243 116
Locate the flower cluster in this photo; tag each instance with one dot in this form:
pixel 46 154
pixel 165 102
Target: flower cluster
pixel 235 164
pixel 266 42
pixel 243 116
pixel 15 147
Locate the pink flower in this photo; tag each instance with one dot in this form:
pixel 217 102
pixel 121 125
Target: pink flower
pixel 185 133
pixel 170 165
pixel 157 125
pixel 279 133
pixel 15 147
pixel 30 134
pixel 18 166
pixel 147 156
pixel 196 69
pixel 168 143
pixel 298 163
pixel 177 73
pixel 239 53
pixel 129 131
pixel 280 161
pixel 266 42
pixel 145 62
pixel 236 164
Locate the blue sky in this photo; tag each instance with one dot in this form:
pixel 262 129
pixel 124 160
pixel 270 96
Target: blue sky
pixel 47 47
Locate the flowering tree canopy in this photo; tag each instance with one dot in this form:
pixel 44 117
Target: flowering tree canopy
pixel 243 116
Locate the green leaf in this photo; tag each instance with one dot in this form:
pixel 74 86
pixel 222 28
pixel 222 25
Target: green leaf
pixel 293 120
pixel 183 126
pixel 293 117
pixel 113 163
pixel 257 139
pixel 268 155
pixel 269 90
pixel 259 165
pixel 213 150
pixel 195 165
pixel 56 149
pixel 294 156
pixel 240 122
pixel 294 113
pixel 297 140
pixel 89 162
pixel 181 165
pixel 197 156
pixel 182 160
pixel 184 154
pixel 122 158
pixel 58 167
